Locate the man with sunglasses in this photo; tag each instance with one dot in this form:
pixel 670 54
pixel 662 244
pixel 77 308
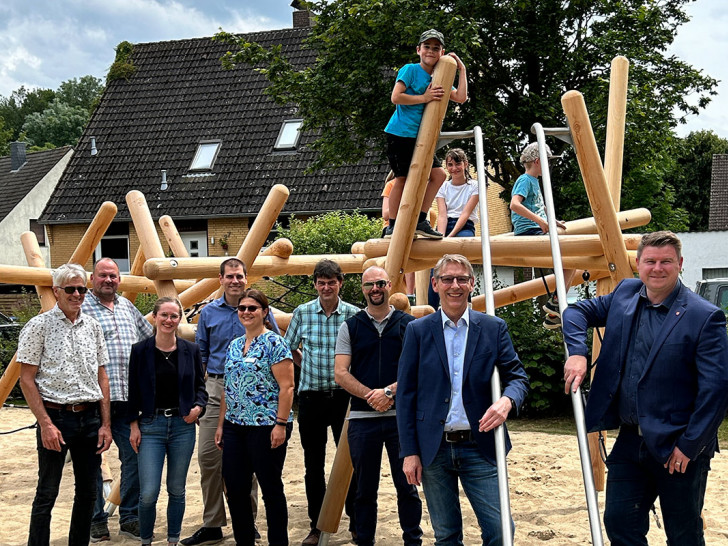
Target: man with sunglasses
pixel 367 357
pixel 321 402
pixel 123 326
pixel 218 326
pixel 445 412
pixel 62 354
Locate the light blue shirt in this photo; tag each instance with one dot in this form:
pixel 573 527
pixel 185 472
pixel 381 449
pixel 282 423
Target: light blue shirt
pixel 405 122
pixel 527 187
pixel 456 339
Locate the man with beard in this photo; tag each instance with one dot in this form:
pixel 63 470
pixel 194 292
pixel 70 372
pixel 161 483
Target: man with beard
pixel 367 357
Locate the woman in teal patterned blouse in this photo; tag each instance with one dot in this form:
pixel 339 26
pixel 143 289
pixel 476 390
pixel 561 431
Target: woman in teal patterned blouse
pixel 256 421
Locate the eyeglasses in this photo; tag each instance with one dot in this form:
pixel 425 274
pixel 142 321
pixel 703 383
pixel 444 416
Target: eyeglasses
pixel 248 308
pixel 329 284
pixel 450 279
pixel 379 284
pixel 71 289
pixel 165 316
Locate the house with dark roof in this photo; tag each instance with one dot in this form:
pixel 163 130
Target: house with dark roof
pixel 204 145
pixel 27 181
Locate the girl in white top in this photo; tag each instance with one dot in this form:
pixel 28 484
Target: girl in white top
pixel 457 198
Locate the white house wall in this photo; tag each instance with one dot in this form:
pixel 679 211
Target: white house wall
pixel 31 206
pixel 705 250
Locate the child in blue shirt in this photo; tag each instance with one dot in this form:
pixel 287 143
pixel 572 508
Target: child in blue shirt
pixel 528 216
pixel 412 90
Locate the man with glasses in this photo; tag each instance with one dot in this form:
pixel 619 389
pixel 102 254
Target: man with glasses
pixel 218 326
pixel 367 356
pixel 321 402
pixel 62 354
pixel 123 325
pixel 445 412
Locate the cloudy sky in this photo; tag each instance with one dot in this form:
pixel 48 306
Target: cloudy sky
pixel 44 42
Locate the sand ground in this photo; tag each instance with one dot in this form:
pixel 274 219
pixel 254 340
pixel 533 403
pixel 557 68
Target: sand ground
pixel 546 488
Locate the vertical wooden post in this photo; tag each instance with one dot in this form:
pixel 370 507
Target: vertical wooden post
pixel 419 172
pixel 173 238
pixel 137 268
pixel 616 115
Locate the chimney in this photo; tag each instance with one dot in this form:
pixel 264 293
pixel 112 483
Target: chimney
pixel 302 17
pixel 94 151
pixel 164 185
pixel 17 155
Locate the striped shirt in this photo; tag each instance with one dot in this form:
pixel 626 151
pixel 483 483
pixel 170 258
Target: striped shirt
pixel 317 333
pixel 123 326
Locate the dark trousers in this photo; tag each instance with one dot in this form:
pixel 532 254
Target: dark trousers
pixel 635 479
pixel 318 410
pixel 80 434
pixel 367 437
pixel 246 451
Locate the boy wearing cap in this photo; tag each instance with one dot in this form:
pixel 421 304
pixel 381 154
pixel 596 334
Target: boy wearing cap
pixel 528 217
pixel 412 90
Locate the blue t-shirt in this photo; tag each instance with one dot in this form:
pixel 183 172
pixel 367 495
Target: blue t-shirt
pixel 405 121
pixel 527 186
pixel 251 389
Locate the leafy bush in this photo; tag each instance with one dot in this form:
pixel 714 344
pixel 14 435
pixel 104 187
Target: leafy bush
pixel 330 233
pixel 27 307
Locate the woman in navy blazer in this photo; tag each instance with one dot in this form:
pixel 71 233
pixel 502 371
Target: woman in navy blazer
pixel 166 397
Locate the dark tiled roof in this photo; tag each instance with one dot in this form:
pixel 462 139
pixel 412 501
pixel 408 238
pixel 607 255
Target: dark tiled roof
pixel 718 216
pixel 16 185
pixel 178 96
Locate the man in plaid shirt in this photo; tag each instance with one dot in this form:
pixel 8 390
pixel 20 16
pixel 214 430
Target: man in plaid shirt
pixel 123 326
pixel 321 402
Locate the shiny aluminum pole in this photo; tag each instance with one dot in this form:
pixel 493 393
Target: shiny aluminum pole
pixel 495 384
pixel 576 401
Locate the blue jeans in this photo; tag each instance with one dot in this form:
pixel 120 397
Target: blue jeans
pixel 468 230
pixel 161 436
pixel 635 479
pixel 367 437
pixel 246 450
pixel 129 507
pixel 480 481
pixel 80 434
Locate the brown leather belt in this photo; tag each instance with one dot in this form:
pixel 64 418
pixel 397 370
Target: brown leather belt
pixel 456 436
pixel 75 408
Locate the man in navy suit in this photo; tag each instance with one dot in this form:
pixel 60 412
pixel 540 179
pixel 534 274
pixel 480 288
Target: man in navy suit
pixel 662 378
pixel 445 414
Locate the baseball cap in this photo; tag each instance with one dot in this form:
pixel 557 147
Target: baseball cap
pixel 432 33
pixel 530 153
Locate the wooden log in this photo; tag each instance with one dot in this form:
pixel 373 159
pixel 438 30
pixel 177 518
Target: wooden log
pixel 419 172
pixel 192 268
pixel 148 239
pixel 47 301
pixel 338 485
pixel 137 268
pixel 616 116
pixel 282 319
pixel 169 229
pixel 627 219
pixel 95 231
pixel 280 248
pixel 358 247
pixel 595 183
pixel 277 197
pixel 400 301
pixel 422 285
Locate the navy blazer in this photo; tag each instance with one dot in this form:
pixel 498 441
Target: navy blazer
pixel 142 378
pixel 682 394
pixel 424 388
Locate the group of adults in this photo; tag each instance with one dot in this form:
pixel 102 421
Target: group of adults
pixel 93 371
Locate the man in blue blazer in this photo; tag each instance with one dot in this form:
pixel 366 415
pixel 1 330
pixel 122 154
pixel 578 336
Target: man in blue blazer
pixel 445 414
pixel 662 379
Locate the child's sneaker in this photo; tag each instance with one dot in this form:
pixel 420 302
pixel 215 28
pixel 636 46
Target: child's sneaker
pixel 424 229
pixel 552 307
pixel 552 322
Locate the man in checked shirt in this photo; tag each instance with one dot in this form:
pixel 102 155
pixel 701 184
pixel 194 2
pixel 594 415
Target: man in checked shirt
pixel 123 326
pixel 321 402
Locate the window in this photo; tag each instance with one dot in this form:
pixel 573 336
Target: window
pixel 205 155
pixel 115 245
pixel 39 231
pixel 289 135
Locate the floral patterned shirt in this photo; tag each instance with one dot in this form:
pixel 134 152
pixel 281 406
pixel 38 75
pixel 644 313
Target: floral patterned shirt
pixel 251 389
pixel 68 355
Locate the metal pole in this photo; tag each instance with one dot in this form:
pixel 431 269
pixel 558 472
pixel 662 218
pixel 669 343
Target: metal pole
pixel 576 401
pixel 495 385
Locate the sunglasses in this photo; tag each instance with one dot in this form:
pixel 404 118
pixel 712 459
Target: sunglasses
pixel 248 308
pixel 71 289
pixel 378 284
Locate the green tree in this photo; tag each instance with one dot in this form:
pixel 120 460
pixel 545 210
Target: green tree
pixel 4 139
pixel 330 233
pixel 84 92
pixel 58 125
pixel 691 172
pixel 521 57
pixel 21 103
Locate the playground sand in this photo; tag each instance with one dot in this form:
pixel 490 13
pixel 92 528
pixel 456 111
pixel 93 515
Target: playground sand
pixel 547 495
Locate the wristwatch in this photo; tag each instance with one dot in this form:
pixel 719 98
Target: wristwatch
pixel 388 393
